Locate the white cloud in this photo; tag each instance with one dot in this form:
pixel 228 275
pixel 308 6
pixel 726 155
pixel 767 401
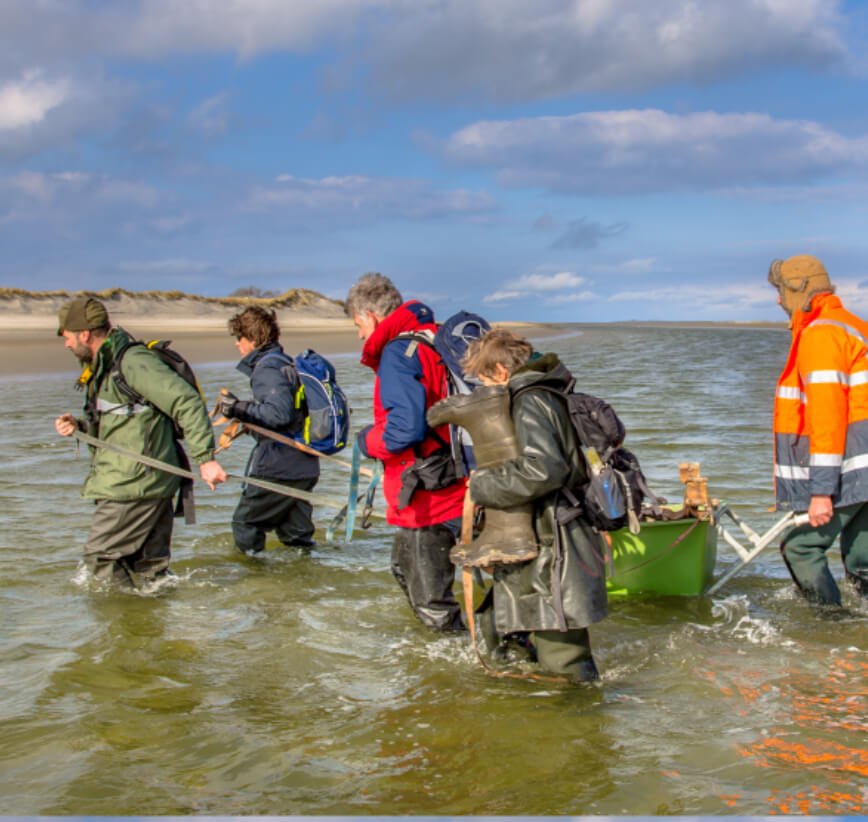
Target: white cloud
pixel 735 298
pixel 212 116
pixel 41 108
pixel 366 197
pixel 499 50
pixel 538 283
pixel 638 265
pixel 514 50
pixel 635 151
pixel 70 195
pixel 548 282
pixel 28 100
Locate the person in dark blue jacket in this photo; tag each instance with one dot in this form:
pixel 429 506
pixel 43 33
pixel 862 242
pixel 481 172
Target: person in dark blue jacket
pixel 274 383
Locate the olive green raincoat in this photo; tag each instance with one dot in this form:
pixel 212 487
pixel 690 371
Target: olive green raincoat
pixel 140 428
pixel 565 586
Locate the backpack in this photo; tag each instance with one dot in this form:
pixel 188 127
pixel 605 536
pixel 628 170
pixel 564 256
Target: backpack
pixel 167 355
pixel 612 497
pixel 450 343
pixel 326 424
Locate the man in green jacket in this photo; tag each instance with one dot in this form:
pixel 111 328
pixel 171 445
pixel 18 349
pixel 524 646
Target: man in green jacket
pixel 131 530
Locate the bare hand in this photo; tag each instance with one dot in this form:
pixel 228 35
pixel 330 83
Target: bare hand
pixel 66 425
pixel 820 511
pixel 212 472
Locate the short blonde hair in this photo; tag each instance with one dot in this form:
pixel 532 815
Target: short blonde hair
pixel 496 346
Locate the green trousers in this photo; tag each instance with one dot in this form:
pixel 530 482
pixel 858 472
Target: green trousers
pixel 804 551
pixel 566 652
pixel 129 542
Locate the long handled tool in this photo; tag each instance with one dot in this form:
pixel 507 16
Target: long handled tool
pixel 760 543
pixel 265 432
pixel 319 499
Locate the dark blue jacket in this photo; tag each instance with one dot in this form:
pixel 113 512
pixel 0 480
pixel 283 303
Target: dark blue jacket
pixel 273 407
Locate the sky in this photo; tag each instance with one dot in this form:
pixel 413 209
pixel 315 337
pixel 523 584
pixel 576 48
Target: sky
pixel 554 160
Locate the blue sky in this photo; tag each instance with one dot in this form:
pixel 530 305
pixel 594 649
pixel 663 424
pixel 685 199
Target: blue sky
pixel 563 160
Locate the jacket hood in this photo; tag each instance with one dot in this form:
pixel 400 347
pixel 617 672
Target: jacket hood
pixel 411 316
pixel 541 368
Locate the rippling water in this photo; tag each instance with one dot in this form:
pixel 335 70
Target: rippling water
pixel 302 684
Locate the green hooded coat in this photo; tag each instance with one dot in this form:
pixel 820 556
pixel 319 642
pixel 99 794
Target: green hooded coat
pixel 526 595
pixel 146 430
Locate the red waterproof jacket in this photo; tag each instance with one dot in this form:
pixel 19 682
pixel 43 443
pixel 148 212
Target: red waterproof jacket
pixel 821 409
pixel 410 379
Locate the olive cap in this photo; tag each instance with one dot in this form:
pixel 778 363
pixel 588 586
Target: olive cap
pixel 82 314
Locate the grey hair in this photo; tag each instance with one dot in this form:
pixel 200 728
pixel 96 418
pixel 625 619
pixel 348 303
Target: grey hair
pixel 372 292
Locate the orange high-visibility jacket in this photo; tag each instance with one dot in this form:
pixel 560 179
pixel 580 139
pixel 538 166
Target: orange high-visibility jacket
pixel 821 409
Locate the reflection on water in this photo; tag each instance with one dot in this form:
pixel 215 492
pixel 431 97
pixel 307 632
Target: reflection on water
pixel 301 683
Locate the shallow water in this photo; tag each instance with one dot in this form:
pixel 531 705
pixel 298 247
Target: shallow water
pixel 302 684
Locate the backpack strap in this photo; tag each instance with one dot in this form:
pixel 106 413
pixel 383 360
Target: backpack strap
pixel 185 505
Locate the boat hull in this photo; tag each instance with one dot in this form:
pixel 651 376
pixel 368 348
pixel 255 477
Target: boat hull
pixel 674 558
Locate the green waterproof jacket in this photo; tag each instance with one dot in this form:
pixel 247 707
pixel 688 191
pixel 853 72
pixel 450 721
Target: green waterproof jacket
pixel 565 586
pixel 144 428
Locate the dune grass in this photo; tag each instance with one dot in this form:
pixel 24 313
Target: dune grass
pixel 293 298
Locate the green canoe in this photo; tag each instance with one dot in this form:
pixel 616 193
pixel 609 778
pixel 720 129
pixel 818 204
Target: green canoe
pixel 674 558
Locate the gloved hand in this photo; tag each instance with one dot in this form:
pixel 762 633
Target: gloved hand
pixel 226 402
pixel 361 438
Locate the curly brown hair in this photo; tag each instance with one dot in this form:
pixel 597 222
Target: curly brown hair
pixel 256 323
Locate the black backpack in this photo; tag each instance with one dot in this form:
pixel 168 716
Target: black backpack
pixel 612 498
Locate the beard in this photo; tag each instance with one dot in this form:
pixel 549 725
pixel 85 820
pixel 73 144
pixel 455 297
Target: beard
pixel 82 353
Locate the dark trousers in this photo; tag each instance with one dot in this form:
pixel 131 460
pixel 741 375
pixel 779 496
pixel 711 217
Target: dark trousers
pixel 566 652
pixel 804 551
pixel 420 563
pixel 260 510
pixel 129 542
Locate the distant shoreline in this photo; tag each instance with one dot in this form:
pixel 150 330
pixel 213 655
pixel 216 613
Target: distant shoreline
pixel 198 326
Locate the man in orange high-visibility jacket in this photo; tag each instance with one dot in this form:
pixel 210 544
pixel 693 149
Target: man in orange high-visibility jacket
pixel 821 430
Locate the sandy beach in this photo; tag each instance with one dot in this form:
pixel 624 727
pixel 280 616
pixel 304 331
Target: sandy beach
pixel 197 327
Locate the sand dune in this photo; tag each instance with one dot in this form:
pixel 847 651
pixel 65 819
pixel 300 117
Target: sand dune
pixel 20 309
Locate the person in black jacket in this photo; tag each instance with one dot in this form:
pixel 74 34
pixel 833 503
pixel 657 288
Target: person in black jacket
pixel 274 382
pixel 560 593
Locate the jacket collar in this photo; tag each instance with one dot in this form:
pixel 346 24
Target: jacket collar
pixel 545 368
pixel 411 316
pixel 819 305
pixel 248 363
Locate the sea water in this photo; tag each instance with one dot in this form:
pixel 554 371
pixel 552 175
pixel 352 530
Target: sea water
pixel 301 683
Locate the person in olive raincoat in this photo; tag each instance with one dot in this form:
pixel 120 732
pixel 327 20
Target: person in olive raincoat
pixel 131 530
pixel 560 593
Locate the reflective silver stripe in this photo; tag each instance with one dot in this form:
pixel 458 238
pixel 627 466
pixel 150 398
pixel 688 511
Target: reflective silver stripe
pixel 854 463
pixel 827 460
pixel 815 377
pixel 848 328
pixel 785 392
pixel 792 472
pixel 859 378
pixel 124 409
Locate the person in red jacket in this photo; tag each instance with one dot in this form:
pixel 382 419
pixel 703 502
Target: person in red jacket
pixel 821 430
pixel 410 379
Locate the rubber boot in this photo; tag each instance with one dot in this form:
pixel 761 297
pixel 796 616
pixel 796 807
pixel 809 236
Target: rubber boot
pixel 508 535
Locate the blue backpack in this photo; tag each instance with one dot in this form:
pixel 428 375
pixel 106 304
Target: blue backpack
pixel 326 424
pixel 450 342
